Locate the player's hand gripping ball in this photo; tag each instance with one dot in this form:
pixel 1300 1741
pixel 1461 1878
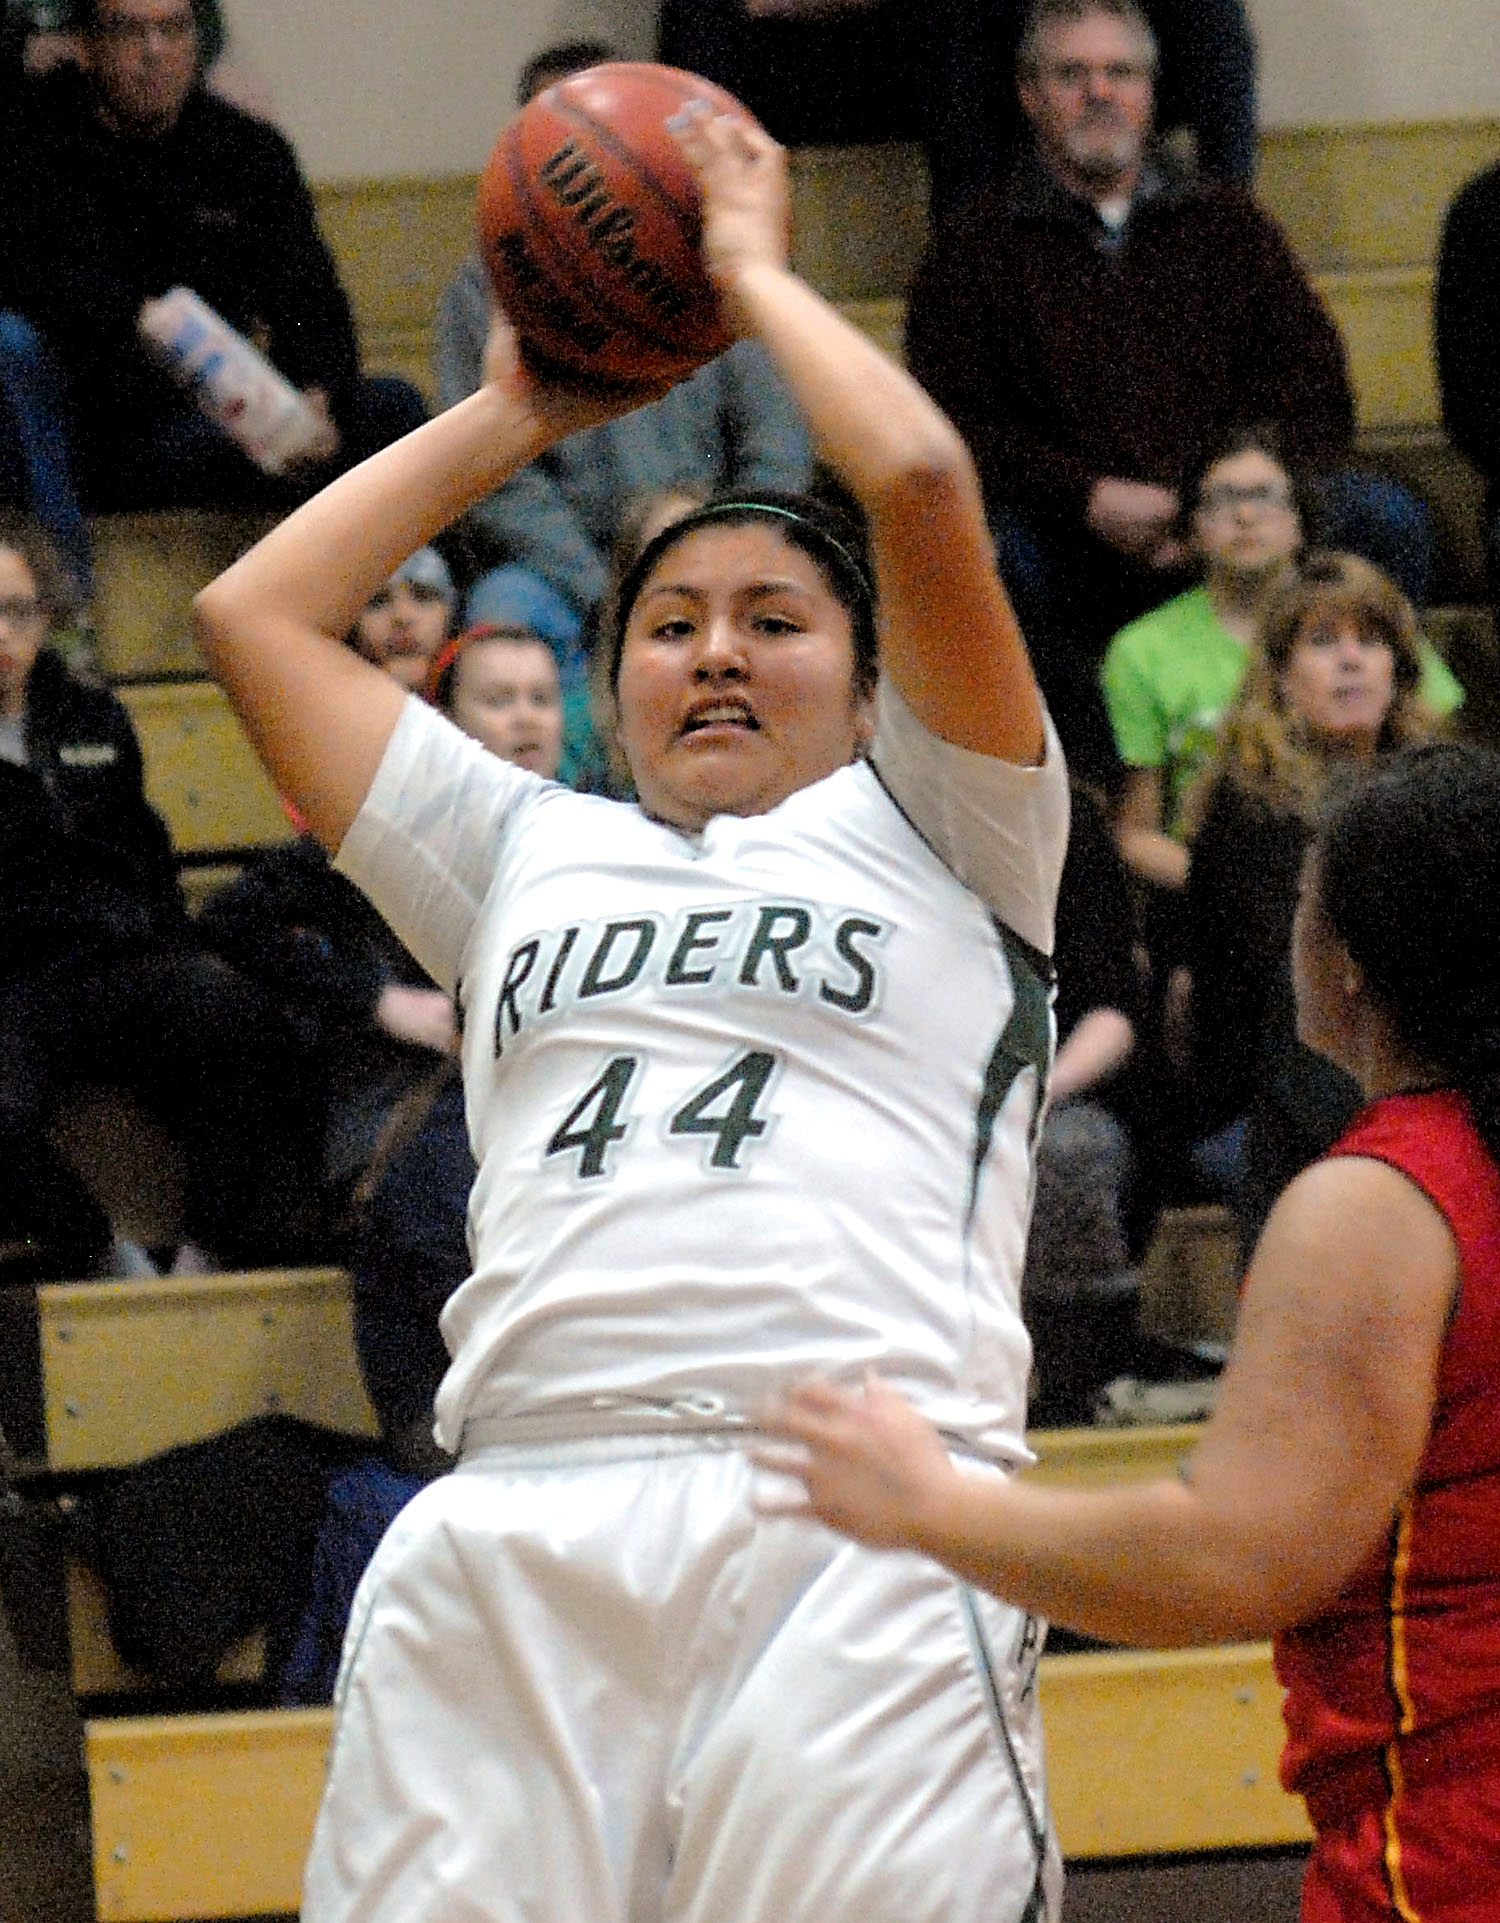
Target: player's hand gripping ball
pixel 590 221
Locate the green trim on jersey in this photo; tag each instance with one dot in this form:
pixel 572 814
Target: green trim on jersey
pixel 1024 1042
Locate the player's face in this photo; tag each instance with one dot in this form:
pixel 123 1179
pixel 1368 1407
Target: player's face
pixel 23 627
pixel 736 683
pixel 143 55
pixel 1090 100
pixel 402 628
pixel 506 695
pixel 1247 522
pixel 1340 680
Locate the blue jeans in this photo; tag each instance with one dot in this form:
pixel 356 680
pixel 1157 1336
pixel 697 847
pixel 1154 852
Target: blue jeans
pixel 36 473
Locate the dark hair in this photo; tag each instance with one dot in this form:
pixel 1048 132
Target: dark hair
pixel 831 536
pixel 1053 13
pixel 1408 871
pixel 1254 437
pixel 556 63
pixel 28 538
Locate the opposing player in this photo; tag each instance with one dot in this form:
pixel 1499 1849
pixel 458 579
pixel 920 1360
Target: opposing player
pixel 753 1072
pixel 1347 1492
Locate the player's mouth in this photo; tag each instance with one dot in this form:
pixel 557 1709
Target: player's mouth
pixel 737 716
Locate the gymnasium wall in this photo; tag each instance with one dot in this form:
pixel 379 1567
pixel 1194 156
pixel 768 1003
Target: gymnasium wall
pixel 391 88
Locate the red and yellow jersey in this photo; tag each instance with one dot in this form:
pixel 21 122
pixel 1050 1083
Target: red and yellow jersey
pixel 1402 1670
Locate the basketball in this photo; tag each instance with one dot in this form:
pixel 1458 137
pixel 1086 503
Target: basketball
pixel 589 223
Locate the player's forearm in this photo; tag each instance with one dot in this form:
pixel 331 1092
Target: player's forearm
pixel 1102 1040
pixel 270 627
pixel 1141 1565
pixel 868 417
pixel 319 567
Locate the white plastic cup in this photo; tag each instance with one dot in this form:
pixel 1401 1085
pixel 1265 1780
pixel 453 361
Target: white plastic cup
pixel 231 380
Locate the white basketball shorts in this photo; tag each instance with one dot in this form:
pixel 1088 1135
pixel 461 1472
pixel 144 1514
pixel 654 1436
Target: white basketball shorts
pixel 588 1683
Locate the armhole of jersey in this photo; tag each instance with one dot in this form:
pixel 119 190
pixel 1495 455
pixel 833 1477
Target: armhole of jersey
pixel 1015 944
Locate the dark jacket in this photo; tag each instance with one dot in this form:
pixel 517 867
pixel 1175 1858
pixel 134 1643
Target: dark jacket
pixel 1063 357
pixel 1241 897
pixel 1095 944
pixel 218 204
pixel 1467 316
pixel 291 922
pixel 86 868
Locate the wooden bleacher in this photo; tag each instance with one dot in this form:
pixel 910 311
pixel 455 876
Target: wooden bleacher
pixel 207 1815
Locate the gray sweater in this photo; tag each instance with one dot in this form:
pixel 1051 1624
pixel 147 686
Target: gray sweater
pixel 732 424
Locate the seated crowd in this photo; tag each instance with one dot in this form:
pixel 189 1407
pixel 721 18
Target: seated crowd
pixel 1222 606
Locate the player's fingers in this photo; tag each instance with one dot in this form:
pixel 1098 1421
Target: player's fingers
pixel 781 1458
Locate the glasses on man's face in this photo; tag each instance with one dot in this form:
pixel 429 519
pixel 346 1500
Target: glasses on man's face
pixel 20 610
pixel 1074 75
pixel 1266 498
pixel 175 28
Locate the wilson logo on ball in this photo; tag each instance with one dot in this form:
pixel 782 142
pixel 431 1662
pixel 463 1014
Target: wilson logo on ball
pixel 575 183
pixel 590 226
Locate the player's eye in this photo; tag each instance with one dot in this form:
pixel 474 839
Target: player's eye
pixel 776 624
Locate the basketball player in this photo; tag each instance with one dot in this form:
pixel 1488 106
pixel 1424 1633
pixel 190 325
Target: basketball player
pixel 753 1074
pixel 1345 1493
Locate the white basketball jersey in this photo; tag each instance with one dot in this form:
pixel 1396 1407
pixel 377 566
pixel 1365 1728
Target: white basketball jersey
pixel 745 1105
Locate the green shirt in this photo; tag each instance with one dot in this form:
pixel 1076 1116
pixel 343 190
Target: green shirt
pixel 1169 677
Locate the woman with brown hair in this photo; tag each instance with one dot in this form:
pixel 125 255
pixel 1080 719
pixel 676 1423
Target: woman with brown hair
pixel 1334 686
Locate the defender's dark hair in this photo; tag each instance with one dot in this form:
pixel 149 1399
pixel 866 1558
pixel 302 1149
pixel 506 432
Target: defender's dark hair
pixel 1409 878
pixel 827 532
pixel 557 62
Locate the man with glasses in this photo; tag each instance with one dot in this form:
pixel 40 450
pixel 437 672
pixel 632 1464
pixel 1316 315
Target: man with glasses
pixel 1094 326
pixel 944 71
pixel 143 180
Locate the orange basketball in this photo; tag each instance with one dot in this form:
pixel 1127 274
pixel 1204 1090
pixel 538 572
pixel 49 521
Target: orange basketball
pixel 589 223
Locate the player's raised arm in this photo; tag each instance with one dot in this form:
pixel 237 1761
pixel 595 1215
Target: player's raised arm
pixel 270 626
pixel 949 639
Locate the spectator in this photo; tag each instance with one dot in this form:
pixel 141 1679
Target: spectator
pixel 1095 327
pixel 1334 684
pixel 501 686
pixel 1079 1292
pixel 368 1017
pixel 1169 676
pixel 733 425
pixel 144 180
pixel 1467 310
pixel 404 624
pixel 35 471
pixel 101 983
pixel 818 71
